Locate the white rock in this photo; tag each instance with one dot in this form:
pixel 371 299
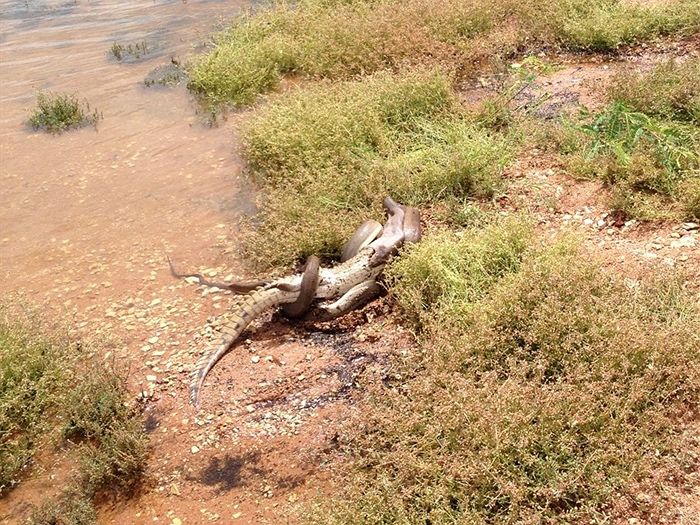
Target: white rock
pixel 684 242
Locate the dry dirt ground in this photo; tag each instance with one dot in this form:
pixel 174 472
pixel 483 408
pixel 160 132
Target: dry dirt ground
pixel 264 439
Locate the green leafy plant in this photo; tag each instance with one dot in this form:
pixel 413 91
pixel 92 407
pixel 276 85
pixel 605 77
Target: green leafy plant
pixel 647 161
pixel 50 392
pixel 58 112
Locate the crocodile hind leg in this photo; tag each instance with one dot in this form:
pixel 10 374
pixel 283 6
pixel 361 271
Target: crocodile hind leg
pixel 357 296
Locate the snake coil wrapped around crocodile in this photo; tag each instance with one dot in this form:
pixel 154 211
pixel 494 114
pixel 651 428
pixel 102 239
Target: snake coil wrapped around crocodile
pixel 341 288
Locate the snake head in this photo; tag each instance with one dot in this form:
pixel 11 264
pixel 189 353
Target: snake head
pixel 392 237
pixel 412 231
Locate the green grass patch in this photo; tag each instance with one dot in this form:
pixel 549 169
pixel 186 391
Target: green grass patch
pixel 671 90
pixel 58 112
pixel 645 144
pixel 52 394
pixel 31 375
pixel 327 156
pixel 317 38
pixel 544 388
pixel 71 509
pixel 452 269
pixel 690 197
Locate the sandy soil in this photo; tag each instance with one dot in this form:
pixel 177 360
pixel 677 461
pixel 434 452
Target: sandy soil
pixel 86 220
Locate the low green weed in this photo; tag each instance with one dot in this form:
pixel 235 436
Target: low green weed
pixel 645 144
pixel 328 156
pixel 51 393
pixel 340 40
pixel 31 380
pixel 545 386
pixel 98 416
pixel 652 154
pixel 671 90
pixel 71 509
pixel 530 67
pixel 690 197
pixel 58 112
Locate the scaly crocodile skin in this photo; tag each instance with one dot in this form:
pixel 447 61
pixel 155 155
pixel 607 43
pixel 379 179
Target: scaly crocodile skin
pixel 353 281
pixel 333 282
pixel 253 306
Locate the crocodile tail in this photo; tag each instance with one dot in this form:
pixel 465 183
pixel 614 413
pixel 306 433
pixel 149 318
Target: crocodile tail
pixel 253 306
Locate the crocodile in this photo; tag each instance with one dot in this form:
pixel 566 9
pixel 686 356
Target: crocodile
pixel 344 287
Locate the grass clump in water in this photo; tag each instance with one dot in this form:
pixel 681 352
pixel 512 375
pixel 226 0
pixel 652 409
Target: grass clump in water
pixel 646 143
pixel 129 52
pixel 329 155
pixel 51 393
pixel 545 387
pixel 58 112
pixel 317 38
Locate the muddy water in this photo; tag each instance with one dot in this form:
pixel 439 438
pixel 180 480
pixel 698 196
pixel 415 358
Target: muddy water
pixel 86 220
pixel 152 179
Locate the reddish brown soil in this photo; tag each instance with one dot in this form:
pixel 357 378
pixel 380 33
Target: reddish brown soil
pixel 86 220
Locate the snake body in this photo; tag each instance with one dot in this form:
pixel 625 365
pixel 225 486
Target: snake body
pixel 307 290
pixel 344 287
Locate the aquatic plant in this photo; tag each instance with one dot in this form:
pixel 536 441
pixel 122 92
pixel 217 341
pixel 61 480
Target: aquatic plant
pixel 57 112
